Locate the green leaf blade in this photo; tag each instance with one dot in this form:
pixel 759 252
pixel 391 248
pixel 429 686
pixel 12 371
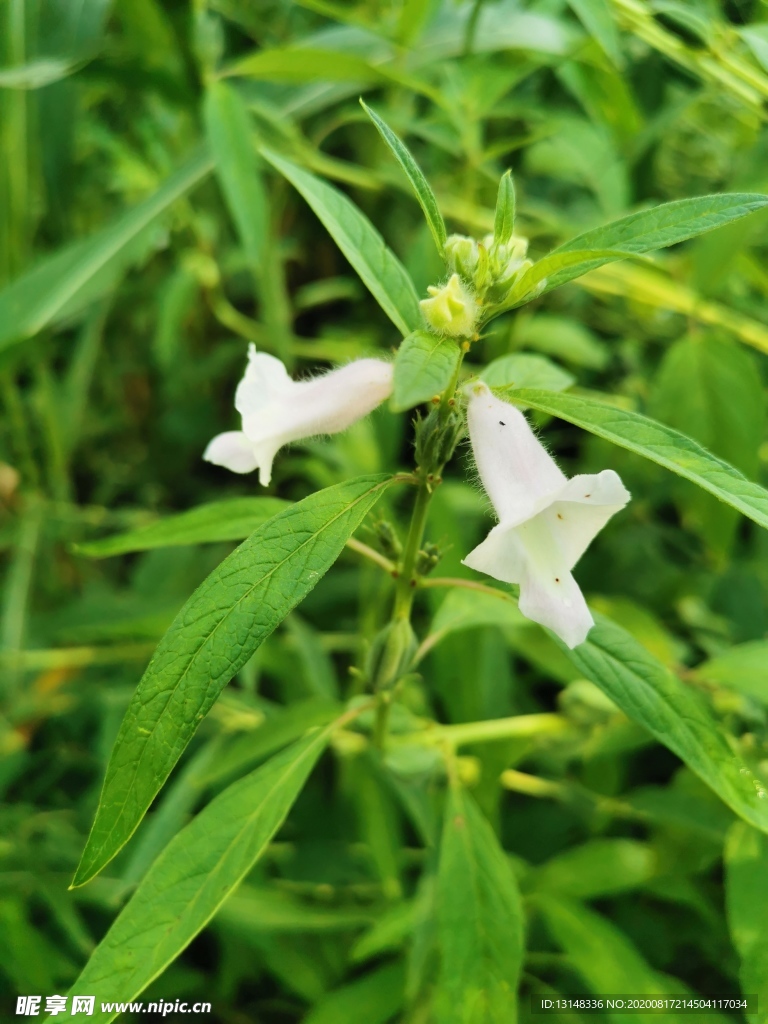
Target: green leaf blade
pixel 424 367
pixel 231 519
pixel 63 283
pixel 194 875
pixel 378 267
pixel 657 442
pixel 480 920
pixel 674 713
pixel 657 228
pixel 415 175
pixel 212 637
pixel 230 137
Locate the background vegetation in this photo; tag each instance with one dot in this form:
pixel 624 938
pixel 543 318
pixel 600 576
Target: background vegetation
pixel 132 275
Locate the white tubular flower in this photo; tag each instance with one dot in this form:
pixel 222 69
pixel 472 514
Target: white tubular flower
pixel 277 410
pixel 546 522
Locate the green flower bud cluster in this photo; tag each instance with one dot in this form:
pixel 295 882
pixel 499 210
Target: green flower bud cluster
pixel 427 559
pixel 491 267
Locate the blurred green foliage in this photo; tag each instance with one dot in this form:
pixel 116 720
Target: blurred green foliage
pixel 132 276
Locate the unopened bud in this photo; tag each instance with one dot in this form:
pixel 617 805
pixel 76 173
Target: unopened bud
pixel 391 653
pixel 388 541
pixel 427 559
pixel 461 255
pixel 452 309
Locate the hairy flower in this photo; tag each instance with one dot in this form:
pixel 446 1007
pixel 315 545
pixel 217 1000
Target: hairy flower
pixel 546 522
pixel 277 410
pixel 452 308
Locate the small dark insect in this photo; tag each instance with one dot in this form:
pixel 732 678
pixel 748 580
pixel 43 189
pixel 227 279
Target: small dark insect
pixel 557 579
pixel 559 516
pixel 502 423
pixel 587 495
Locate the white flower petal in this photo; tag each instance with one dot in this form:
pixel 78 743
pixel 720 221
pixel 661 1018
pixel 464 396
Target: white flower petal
pixel 232 450
pixel 266 378
pixel 501 555
pixel 557 603
pixel 516 470
pixel 582 509
pixel 277 410
pixel 322 405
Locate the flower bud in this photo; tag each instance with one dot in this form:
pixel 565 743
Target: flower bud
pixel 391 654
pixel 388 541
pixel 427 559
pixel 452 309
pixel 461 255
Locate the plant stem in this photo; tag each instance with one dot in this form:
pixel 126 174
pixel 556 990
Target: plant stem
pixel 406 583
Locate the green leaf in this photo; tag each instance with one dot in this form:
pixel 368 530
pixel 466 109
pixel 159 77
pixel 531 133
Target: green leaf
pixel 232 519
pixel 284 725
pixel 37 73
pixel 504 217
pixel 305 64
pixel 595 16
pixel 676 714
pixel 415 176
pixel 562 338
pixel 743 668
pixel 424 367
pixel 598 868
pixel 655 229
pixel 374 999
pixel 545 274
pixel 746 892
pixel 465 608
pixel 212 637
pixel 480 921
pixel 230 136
pixel 194 875
pixel 63 283
pixel 656 442
pixel 521 370
pixel 710 389
pixel 379 269
pixel 603 955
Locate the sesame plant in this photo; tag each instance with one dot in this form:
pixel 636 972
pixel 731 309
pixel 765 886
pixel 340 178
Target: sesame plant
pixel 458 700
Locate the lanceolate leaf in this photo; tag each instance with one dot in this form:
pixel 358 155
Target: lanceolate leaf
pixel 380 270
pixel 546 273
pixel 676 714
pixel 655 229
pixel 213 636
pixel 414 174
pixel 656 442
pixel 70 278
pixel 480 921
pixel 231 519
pixel 194 875
pixel 604 957
pixel 424 367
